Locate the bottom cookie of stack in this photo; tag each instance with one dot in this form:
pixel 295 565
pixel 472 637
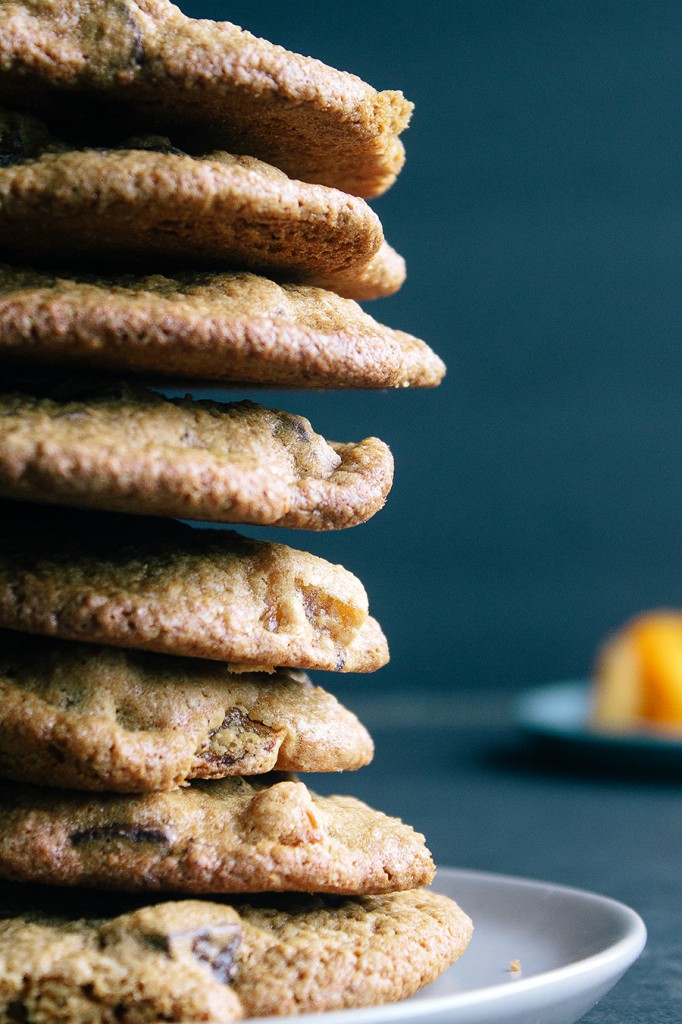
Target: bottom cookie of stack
pixel 195 960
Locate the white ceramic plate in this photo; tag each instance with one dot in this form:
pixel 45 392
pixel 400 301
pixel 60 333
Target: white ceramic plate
pixel 573 946
pixel 556 716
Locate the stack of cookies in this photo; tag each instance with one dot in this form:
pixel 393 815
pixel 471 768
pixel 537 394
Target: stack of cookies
pixel 180 201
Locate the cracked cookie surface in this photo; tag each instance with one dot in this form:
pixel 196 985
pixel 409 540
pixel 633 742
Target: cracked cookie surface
pixel 232 835
pixel 198 960
pixel 158 585
pixel 98 718
pixel 144 62
pixel 147 204
pixel 128 449
pixel 236 327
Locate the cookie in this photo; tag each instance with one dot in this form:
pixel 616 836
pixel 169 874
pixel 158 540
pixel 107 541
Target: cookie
pixel 195 960
pixel 147 64
pixel 96 718
pixel 149 204
pixel 158 585
pixel 132 450
pixel 230 327
pixel 260 834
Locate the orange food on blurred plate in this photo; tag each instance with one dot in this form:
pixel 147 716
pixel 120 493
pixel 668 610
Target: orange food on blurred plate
pixel 638 676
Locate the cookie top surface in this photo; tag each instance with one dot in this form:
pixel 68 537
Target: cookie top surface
pixel 236 327
pixel 155 584
pixel 208 961
pixel 143 62
pixel 148 204
pixel 131 450
pixel 99 718
pixel 259 834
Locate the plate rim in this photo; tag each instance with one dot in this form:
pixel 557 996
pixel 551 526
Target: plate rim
pixel 528 718
pixel 615 958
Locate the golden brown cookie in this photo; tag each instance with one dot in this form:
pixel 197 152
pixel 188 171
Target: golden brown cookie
pixel 199 960
pixel 155 584
pixel 228 327
pixel 146 64
pixel 100 718
pixel 147 204
pixel 131 450
pixel 267 833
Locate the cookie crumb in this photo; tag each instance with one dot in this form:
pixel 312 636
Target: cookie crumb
pixel 515 966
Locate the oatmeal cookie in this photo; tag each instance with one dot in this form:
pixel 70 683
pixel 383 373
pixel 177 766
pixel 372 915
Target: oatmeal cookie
pixel 128 449
pixel 158 585
pixel 199 960
pixel 231 327
pixel 78 716
pixel 265 833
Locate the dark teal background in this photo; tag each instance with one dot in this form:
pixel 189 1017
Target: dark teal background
pixel 538 492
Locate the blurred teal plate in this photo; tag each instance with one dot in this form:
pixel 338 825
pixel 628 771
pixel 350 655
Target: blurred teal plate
pixel 556 718
pixel 572 945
